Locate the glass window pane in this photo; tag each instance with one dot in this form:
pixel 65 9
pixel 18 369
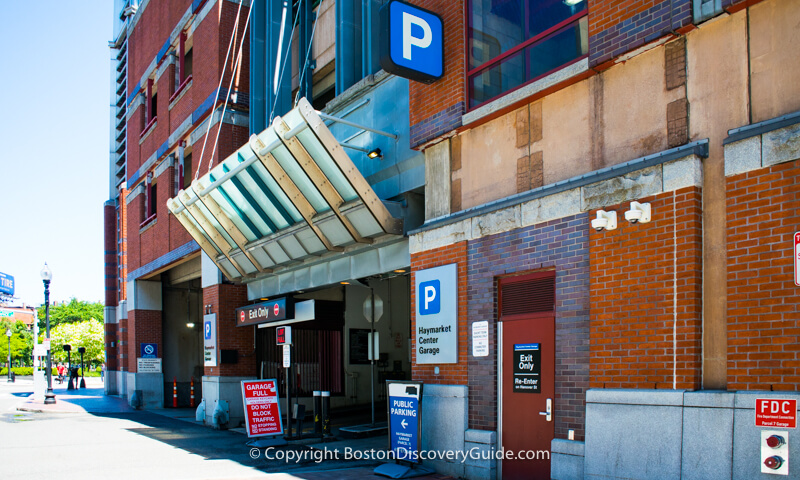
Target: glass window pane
pixel 508 74
pixel 496 26
pixel 557 49
pixel 544 14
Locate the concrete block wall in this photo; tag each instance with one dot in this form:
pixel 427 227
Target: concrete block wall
pixel 672 434
pixel 444 423
pixel 646 282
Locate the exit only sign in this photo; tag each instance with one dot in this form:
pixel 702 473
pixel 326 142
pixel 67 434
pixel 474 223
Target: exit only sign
pixel 773 412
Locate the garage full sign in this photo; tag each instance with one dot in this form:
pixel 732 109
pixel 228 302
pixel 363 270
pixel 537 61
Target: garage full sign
pixel 262 411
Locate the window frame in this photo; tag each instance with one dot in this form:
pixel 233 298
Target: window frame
pixel 470 73
pixel 149 200
pixel 183 79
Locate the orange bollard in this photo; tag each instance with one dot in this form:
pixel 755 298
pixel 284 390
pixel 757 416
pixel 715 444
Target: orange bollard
pixel 174 392
pixel 191 393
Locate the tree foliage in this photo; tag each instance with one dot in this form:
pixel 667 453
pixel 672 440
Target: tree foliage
pixel 89 334
pixel 74 311
pixel 21 343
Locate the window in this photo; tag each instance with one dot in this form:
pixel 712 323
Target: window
pixel 152 199
pixel 153 105
pixel 514 42
pixel 187 170
pixel 187 65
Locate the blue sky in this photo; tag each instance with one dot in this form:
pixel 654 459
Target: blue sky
pixel 54 144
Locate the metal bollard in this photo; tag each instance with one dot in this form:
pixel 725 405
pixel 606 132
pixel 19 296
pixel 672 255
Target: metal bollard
pixel 317 412
pixel 326 413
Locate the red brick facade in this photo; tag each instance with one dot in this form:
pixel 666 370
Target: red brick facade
pixel 144 327
pixel 763 302
pixel 449 374
pixel 634 294
pixel 428 100
pixel 224 299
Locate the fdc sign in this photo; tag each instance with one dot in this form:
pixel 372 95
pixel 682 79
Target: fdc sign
pixel 411 46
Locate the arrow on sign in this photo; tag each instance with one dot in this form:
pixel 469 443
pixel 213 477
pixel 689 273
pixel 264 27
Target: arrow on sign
pixel 404 423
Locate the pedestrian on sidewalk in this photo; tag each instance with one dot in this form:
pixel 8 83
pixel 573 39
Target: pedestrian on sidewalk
pixel 61 371
pixel 102 370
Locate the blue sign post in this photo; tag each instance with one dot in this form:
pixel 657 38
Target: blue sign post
pixel 149 350
pixel 412 45
pixel 405 410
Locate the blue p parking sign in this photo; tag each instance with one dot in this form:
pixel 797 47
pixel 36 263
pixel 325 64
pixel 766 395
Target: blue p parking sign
pixel 412 46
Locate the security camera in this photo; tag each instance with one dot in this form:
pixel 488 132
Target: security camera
pixel 639 213
pixel 605 221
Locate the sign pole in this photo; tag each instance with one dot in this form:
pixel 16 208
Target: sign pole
pixel 288 400
pixel 372 360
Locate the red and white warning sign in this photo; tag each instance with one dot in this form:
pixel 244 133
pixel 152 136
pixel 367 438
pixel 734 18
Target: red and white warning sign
pixel 775 412
pixel 796 253
pixel 262 412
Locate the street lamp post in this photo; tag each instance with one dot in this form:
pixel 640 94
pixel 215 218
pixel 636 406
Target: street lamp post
pixel 82 350
pixel 47 275
pixel 8 334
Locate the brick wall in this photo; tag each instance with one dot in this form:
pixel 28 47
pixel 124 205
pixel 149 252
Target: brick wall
pixel 122 245
pixel 763 302
pixel 111 352
pixel 144 327
pixel 210 42
pixel 561 244
pixel 437 108
pixel 452 373
pixel 632 313
pixel 224 300
pixel 151 32
pixel 110 254
pixel 616 27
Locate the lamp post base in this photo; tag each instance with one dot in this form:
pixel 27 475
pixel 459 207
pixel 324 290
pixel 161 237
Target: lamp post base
pixel 49 397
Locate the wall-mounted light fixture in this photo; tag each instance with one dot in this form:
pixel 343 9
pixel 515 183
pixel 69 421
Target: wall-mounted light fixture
pixel 190 325
pixel 639 213
pixel 375 153
pixel 605 221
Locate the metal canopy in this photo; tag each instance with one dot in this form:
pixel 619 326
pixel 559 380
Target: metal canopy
pixel 291 193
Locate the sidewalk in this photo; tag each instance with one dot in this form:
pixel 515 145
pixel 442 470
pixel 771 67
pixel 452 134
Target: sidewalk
pixel 80 400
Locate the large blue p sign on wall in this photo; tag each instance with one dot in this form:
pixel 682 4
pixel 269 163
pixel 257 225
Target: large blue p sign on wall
pixel 411 42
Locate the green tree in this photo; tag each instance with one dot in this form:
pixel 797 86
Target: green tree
pixel 21 343
pixel 74 311
pixel 89 334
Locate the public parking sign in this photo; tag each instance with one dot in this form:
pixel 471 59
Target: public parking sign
pixel 404 420
pixel 262 412
pixel 776 413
